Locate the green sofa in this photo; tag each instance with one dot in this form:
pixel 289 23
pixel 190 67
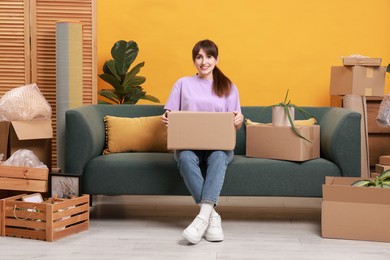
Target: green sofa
pixel 136 173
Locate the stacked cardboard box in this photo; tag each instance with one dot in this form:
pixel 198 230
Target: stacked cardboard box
pixel 360 76
pixel 383 165
pixel 350 85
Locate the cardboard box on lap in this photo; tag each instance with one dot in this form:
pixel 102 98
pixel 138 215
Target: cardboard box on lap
pixel 34 135
pixel 359 213
pixel 201 130
pixel 280 142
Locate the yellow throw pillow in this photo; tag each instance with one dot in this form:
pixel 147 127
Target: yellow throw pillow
pixel 138 134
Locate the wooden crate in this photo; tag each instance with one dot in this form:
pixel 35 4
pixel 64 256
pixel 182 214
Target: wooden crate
pixel 24 178
pixel 49 221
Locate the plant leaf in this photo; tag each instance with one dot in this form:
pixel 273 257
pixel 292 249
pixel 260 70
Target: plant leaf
pixel 305 113
pixel 109 94
pixel 151 98
pixel 116 84
pixel 363 183
pixel 384 175
pixel 110 68
pixel 134 82
pixel 124 53
pixel 287 111
pixel 132 73
pixel 134 95
pixel 285 98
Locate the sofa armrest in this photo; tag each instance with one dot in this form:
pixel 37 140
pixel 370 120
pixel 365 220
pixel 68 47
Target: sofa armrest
pixel 85 137
pixel 341 140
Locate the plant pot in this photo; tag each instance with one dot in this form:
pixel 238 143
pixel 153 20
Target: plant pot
pixel 279 117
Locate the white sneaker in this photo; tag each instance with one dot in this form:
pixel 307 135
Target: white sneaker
pixel 214 231
pixel 195 231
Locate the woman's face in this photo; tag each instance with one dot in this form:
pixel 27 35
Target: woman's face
pixel 205 64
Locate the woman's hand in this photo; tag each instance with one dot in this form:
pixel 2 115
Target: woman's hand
pixel 164 117
pixel 238 119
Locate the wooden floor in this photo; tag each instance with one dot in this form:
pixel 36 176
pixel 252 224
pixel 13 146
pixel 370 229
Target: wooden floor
pixel 139 227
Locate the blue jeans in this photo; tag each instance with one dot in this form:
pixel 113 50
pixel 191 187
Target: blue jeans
pixel 204 186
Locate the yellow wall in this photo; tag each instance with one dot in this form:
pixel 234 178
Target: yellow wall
pixel 266 47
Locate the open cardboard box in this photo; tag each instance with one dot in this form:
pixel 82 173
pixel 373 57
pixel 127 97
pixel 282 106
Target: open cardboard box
pixel 359 213
pixel 34 135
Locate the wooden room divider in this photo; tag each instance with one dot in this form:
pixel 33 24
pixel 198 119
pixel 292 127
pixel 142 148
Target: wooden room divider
pixel 28 47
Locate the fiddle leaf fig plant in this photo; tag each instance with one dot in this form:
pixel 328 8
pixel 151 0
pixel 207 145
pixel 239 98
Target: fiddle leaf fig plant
pixel 286 104
pixel 381 181
pixel 126 84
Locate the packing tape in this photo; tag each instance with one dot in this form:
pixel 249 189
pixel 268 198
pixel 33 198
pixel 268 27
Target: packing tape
pixel 368 91
pixel 370 72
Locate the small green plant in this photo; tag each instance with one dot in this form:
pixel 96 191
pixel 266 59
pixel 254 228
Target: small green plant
pixel 286 105
pixel 126 84
pixel 381 181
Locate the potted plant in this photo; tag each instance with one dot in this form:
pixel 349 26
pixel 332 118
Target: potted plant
pixel 126 84
pixel 381 181
pixel 286 111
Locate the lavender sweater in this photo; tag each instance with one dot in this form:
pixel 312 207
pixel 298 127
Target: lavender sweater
pixel 196 94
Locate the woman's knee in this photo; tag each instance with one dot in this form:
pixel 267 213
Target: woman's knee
pixel 187 157
pixel 218 156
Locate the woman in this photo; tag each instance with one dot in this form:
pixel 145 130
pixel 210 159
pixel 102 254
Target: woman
pixel 209 90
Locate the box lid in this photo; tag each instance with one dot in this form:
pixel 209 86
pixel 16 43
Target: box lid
pixel 34 129
pixel 362 61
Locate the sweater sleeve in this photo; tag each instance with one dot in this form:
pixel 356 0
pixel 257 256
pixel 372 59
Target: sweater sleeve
pixel 173 102
pixel 233 102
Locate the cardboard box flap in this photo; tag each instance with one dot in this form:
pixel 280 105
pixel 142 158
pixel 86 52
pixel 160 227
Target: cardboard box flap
pixel 34 129
pixel 340 189
pixel 4 133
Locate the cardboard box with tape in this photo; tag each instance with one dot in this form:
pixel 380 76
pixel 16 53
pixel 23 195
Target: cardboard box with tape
pixel 359 80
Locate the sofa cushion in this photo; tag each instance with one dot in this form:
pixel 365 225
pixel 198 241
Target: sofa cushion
pixel 138 134
pixel 266 177
pixel 133 173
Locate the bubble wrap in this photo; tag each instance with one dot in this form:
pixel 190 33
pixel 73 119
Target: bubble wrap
pixel 24 103
pixel 383 117
pixel 24 158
